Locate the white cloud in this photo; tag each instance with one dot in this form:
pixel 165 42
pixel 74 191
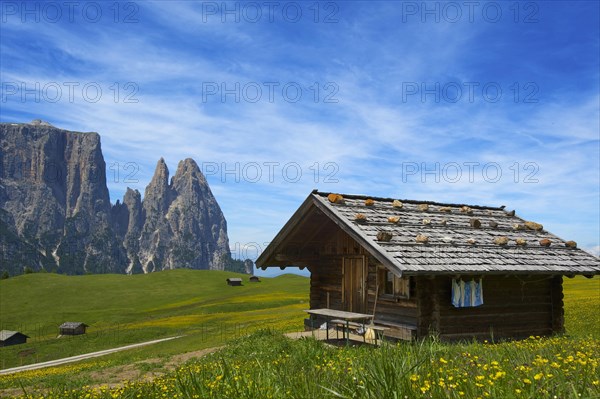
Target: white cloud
pixel 369 135
pixel 594 251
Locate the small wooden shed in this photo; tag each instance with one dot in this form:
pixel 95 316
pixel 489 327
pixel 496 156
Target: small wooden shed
pixel 235 281
pixel 8 338
pixel 421 267
pixel 254 279
pixel 72 328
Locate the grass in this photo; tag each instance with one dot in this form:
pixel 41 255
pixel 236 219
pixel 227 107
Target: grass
pixel 582 306
pixel 128 309
pixel 267 365
pixel 264 364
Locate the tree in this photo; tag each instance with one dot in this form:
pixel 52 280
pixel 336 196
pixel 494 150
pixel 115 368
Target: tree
pixel 27 270
pixel 4 276
pixel 233 265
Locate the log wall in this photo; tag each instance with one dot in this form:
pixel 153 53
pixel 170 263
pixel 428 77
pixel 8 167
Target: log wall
pixel 326 280
pixel 514 307
pixel 326 271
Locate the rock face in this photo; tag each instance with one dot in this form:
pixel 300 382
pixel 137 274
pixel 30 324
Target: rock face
pixel 183 224
pixel 55 211
pixel 54 190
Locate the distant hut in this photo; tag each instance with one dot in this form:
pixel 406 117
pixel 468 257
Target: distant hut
pixel 8 338
pixel 72 328
pixel 254 279
pixel 234 281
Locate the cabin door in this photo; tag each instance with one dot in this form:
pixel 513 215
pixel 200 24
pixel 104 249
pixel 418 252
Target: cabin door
pixel 354 284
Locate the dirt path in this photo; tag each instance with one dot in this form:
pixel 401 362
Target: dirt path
pixel 77 358
pixel 114 376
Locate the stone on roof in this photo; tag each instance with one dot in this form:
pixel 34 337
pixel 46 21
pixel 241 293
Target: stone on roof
pixel 457 238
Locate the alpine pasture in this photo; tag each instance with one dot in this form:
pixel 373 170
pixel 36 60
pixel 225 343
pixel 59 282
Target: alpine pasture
pixel 255 360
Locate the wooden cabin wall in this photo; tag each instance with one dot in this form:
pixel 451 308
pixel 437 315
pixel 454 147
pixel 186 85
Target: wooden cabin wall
pixel 388 311
pixel 326 272
pixel 326 278
pixel 514 307
pixel 558 309
pixel 325 281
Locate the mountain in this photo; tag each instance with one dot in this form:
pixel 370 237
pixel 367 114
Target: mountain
pixel 56 215
pixel 181 224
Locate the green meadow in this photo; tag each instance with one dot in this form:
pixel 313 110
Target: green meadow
pixel 582 306
pixel 256 361
pixel 121 310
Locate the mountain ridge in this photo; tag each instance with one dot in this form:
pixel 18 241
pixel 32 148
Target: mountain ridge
pixel 57 216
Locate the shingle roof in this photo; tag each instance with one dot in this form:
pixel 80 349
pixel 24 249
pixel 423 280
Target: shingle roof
pixel 72 324
pixel 6 334
pixel 453 246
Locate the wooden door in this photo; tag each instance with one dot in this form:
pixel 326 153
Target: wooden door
pixel 354 284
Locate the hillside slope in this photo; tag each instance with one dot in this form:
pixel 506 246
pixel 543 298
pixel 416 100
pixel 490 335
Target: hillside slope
pixel 123 309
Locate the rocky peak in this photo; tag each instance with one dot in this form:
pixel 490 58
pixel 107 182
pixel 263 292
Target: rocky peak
pixel 157 195
pixel 39 122
pixel 188 165
pixel 131 241
pixel 120 218
pixel 127 215
pixel 55 209
pixel 192 232
pixel 189 179
pixel 133 200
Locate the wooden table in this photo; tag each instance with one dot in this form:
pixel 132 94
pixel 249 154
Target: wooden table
pixel 339 314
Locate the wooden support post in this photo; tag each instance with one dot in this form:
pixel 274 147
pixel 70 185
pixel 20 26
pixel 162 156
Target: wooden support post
pixel 435 311
pixel 558 319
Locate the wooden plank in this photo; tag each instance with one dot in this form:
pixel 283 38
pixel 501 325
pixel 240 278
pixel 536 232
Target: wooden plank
pixel 340 314
pixel 558 313
pixel 424 291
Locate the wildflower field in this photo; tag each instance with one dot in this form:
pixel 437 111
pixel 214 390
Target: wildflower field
pixel 122 310
pixel 265 364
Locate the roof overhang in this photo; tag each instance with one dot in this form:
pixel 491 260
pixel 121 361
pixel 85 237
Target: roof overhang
pixel 274 254
pixel 300 241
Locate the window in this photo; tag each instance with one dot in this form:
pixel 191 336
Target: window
pixel 393 286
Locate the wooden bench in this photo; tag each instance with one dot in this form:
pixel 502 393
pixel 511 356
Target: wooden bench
pixel 347 325
pixel 339 315
pixel 399 330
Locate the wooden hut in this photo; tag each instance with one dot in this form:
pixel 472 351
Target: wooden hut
pixel 254 279
pixel 234 281
pixel 457 271
pixel 8 338
pixel 72 328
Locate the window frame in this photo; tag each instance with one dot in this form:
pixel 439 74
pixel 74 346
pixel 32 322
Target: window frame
pixel 400 285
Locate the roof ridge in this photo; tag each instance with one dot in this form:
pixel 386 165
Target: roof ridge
pixel 358 196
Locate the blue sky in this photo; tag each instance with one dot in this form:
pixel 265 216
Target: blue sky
pixel 493 103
